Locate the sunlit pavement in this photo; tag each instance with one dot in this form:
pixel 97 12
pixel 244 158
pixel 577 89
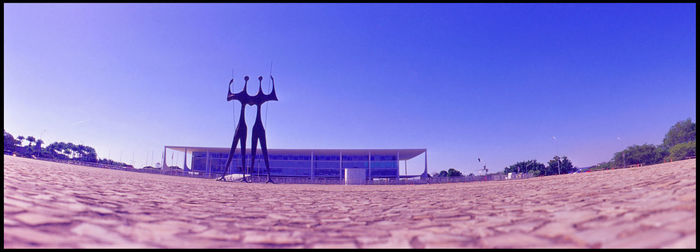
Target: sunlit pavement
pixel 50 204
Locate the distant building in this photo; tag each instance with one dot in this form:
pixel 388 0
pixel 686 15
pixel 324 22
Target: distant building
pixel 309 163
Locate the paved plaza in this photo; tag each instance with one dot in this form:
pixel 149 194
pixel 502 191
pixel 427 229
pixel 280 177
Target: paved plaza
pixel 54 205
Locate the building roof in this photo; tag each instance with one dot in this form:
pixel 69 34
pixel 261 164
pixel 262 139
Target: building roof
pixel 404 154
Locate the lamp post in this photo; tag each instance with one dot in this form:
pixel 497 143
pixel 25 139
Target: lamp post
pixel 624 163
pixel 559 162
pixel 485 170
pixel 556 149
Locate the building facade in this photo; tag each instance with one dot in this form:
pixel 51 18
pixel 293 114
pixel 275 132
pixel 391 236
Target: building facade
pixel 310 163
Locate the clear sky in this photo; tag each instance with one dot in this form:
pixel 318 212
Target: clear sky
pixel 495 81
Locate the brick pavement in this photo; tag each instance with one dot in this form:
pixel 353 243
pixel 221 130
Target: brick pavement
pixel 55 205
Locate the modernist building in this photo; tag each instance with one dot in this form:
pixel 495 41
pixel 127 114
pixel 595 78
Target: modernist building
pixel 309 163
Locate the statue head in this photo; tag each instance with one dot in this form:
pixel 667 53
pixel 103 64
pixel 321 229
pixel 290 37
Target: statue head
pixel 259 78
pixel 246 78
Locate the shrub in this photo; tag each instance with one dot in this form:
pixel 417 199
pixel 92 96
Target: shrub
pixel 682 150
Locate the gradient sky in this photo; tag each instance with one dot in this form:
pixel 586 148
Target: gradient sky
pixel 495 81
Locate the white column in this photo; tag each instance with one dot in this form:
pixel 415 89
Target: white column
pixel 184 163
pixel 208 168
pixel 425 172
pixel 426 162
pixel 398 167
pixel 312 165
pixel 162 167
pixel 369 164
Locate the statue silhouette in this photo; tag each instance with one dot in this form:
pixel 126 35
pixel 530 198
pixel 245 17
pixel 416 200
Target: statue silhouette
pixel 241 128
pixel 258 129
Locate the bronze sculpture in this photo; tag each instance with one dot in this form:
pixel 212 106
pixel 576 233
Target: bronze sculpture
pixel 241 128
pixel 258 129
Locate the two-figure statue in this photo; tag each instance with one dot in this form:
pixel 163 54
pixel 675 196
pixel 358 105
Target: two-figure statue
pixel 258 129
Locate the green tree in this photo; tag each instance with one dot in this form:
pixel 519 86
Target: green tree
pixel 90 154
pixel 21 140
pixel 662 151
pixel 63 147
pixel 72 149
pixel 37 148
pixel 10 142
pixel 560 165
pixel 29 151
pixel 56 150
pixel 681 132
pixel 682 150
pixel 30 139
pixel 80 149
pixel 645 154
pixel 454 173
pixel 603 166
pixel 38 144
pixel 530 166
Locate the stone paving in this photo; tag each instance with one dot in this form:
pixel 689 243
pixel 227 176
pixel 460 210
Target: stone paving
pixel 53 205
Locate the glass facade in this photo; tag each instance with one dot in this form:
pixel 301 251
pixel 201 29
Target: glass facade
pixel 300 165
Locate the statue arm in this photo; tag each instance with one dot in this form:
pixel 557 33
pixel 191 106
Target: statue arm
pixel 272 96
pixel 230 95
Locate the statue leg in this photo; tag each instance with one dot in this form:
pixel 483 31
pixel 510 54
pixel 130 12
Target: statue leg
pixel 263 145
pixel 253 150
pixel 243 141
pixel 236 138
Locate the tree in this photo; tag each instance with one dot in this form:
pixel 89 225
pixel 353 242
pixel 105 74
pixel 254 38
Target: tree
pixel 530 166
pixel 81 151
pixel 56 150
pixel 662 151
pixel 454 173
pixel 63 147
pixel 560 165
pixel 21 140
pixel 682 150
pixel 30 139
pixel 638 154
pixel 90 154
pixel 71 148
pixel 10 142
pixel 603 166
pixel 37 148
pixel 38 144
pixel 681 132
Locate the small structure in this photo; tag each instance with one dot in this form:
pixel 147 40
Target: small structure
pixel 355 176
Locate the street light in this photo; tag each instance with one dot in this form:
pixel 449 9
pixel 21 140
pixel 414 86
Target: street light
pixel 556 149
pixel 559 161
pixel 485 170
pixel 624 163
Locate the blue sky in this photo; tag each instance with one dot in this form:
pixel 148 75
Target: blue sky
pixel 495 81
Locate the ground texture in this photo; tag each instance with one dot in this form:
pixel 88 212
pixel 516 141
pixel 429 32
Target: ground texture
pixel 59 205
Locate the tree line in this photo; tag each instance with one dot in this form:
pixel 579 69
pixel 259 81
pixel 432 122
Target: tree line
pixel 56 150
pixel 678 143
pixel 557 165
